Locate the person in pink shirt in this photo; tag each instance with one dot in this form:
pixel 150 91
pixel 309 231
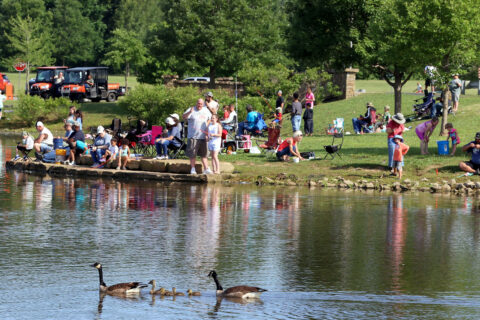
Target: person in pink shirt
pixel 424 131
pixel 310 97
pixel 394 127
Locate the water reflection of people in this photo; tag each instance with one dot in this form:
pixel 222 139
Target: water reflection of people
pixel 396 237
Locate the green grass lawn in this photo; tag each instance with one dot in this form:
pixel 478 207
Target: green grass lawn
pixel 362 155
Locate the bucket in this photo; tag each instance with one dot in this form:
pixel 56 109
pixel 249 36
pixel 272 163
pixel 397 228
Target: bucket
pixel 443 147
pixel 57 143
pixel 60 155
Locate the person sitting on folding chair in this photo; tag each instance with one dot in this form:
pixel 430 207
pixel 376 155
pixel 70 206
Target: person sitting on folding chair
pixel 251 121
pixel 229 123
pixel 363 121
pixel 25 147
pixel 173 137
pixel 289 147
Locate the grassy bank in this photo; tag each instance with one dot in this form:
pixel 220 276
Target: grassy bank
pixel 363 156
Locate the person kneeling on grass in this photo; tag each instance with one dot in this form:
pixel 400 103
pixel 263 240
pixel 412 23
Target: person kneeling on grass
pixel 288 148
pixel 401 150
pixel 473 166
pixel 124 155
pixel 25 146
pixel 77 148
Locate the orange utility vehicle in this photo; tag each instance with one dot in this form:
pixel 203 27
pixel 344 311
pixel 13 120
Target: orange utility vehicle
pixel 90 83
pixel 48 82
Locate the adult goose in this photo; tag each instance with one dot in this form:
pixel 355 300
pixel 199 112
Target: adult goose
pixel 127 288
pixel 244 292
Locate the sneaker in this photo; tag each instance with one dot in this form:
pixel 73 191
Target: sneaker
pixel 71 163
pixel 17 157
pixel 118 168
pixel 468 174
pixel 38 156
pixel 158 158
pixel 193 171
pixel 208 171
pixel 94 165
pixel 25 158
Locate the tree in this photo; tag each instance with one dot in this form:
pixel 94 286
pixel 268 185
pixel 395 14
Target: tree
pixel 218 36
pixel 29 42
pixel 138 16
pixel 125 49
pixel 322 33
pixel 74 37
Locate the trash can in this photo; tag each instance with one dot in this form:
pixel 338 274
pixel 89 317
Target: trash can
pixel 57 143
pixel 443 148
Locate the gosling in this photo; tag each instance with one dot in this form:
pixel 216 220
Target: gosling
pixel 193 293
pixel 175 293
pixel 164 292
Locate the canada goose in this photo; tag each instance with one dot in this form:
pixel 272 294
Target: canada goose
pixel 244 292
pixel 164 292
pixel 153 291
pixel 119 288
pixel 193 293
pixel 175 293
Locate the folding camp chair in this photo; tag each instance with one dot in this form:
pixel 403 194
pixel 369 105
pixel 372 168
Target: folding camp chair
pixel 334 148
pixel 175 151
pixel 337 127
pixel 271 145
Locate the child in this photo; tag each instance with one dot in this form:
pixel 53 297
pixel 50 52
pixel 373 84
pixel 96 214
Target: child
pixel 419 88
pixel 308 120
pixel 124 155
pixel 25 147
pixel 401 149
pixel 386 114
pixel 214 130
pixel 278 116
pixel 111 153
pixel 452 134
pixel 77 148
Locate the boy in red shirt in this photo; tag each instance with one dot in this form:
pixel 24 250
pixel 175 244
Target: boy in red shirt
pixel 401 149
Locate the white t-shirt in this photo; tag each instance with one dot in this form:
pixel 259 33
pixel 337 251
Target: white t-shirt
pixel 28 143
pixel 49 139
pixel 430 71
pixel 197 122
pixel 113 150
pixel 2 98
pixel 229 120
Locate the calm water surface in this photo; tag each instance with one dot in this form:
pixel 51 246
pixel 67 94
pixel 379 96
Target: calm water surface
pixel 320 254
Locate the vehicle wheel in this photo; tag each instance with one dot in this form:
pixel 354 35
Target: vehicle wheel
pixel 230 146
pixel 111 97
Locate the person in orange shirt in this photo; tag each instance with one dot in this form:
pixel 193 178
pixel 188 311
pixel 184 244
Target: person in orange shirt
pixel 401 149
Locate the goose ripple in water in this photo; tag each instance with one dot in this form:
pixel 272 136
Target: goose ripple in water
pixel 126 288
pixel 244 292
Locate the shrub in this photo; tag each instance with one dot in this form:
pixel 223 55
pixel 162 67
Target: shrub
pixel 58 108
pixel 30 108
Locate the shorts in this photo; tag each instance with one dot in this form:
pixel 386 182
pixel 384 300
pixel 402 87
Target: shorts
pixel 21 148
pixel 196 147
pixel 472 165
pixel 397 165
pixel 285 152
pixel 45 148
pixel 456 96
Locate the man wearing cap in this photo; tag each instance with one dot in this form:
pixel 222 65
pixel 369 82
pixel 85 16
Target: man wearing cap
pixel 211 104
pixel 77 133
pixel 197 118
pixel 176 117
pixel 456 88
pixel 44 143
pixel 361 121
pixel 473 166
pixel 100 145
pixel 2 98
pixel 394 127
pixel 173 138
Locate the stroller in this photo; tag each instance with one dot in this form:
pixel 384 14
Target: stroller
pixel 423 109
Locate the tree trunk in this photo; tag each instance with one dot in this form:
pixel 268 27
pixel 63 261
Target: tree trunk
pixel 127 73
pixel 397 88
pixel 213 72
pixel 446 98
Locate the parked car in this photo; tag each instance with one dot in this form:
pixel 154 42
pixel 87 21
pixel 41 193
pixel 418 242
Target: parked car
pixel 195 79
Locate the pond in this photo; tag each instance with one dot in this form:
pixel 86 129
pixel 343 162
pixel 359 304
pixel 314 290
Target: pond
pixel 320 254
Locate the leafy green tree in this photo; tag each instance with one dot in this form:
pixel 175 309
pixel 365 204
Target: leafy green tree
pixel 74 37
pixel 138 16
pixel 29 42
pixel 125 50
pixel 323 33
pixel 218 36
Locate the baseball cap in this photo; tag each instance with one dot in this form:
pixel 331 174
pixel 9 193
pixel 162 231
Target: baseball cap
pixel 175 116
pixel 477 135
pixel 100 129
pixel 76 123
pixel 170 121
pixel 209 94
pixel 39 124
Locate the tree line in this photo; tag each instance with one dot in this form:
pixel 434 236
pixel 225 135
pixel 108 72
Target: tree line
pixel 393 39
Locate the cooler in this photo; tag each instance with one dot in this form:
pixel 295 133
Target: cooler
pixel 443 148
pixel 57 143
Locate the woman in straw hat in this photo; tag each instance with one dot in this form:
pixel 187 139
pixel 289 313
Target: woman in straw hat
pixel 394 127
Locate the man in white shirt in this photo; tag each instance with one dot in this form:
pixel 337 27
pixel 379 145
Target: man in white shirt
pixel 197 118
pixel 211 104
pixel 229 123
pixel 44 143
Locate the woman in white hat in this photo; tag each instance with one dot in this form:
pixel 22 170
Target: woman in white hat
pixel 394 127
pixel 173 137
